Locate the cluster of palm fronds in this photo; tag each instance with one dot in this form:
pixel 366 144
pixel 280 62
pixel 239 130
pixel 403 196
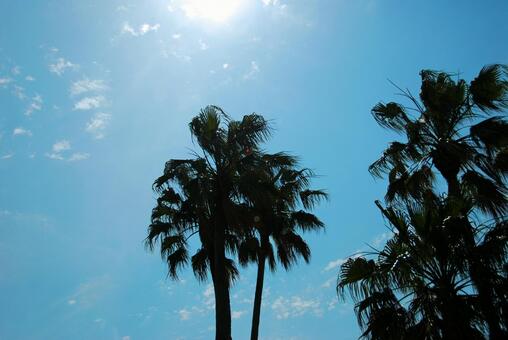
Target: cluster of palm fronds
pixel 246 206
pixel 444 272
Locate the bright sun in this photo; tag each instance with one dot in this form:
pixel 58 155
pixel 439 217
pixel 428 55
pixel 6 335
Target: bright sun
pixel 215 10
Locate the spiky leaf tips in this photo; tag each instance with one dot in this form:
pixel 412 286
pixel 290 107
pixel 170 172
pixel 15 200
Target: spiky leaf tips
pixel 206 197
pixel 442 274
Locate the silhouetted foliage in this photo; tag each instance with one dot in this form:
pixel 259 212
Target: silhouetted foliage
pixel 279 213
pixel 443 273
pixel 205 196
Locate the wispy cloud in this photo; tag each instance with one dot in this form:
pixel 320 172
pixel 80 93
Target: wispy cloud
pixel 381 238
pixel 295 306
pixel 98 124
pixel 334 264
pixel 7 156
pixel 62 145
pixel 253 71
pixel 29 78
pixel 202 45
pixel 237 314
pixel 5 81
pixel 35 105
pixel 89 103
pixel 87 85
pixel 184 314
pixel 142 29
pixel 274 3
pixel 78 156
pixel 61 66
pixel 16 70
pixel 58 148
pixel 19 92
pixel 90 292
pixel 328 283
pixel 19 131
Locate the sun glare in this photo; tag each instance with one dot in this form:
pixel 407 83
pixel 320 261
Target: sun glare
pixel 214 10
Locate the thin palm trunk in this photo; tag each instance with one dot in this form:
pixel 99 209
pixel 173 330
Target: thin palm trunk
pixel 221 290
pixel 220 279
pixel 256 313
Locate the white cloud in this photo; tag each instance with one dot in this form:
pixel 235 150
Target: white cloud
pixel 225 66
pixel 16 70
pixel 274 3
pixel 254 69
pixel 71 302
pixel 55 156
pixel 176 36
pixel 19 131
pixel 7 156
pixel 5 81
pixel 29 78
pixel 142 30
pixel 337 263
pixel 61 65
pixel 87 85
pixel 62 145
pixel 237 314
pixel 78 156
pixel 90 292
pixel 202 45
pixel 184 314
pixel 98 124
pixel 328 283
pixel 178 55
pixel 126 337
pixel 89 103
pixel 382 238
pixel 295 306
pixel 35 105
pixel 334 264
pixel 19 92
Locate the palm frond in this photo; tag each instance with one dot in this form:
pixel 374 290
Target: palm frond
pixel 490 88
pixel 391 116
pixel 200 264
pixel 310 198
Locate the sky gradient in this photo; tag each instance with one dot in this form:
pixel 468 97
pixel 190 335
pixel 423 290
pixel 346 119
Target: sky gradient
pixel 96 95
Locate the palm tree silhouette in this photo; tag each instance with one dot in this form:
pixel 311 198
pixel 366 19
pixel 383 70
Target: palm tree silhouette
pixel 462 235
pixel 418 286
pixel 202 196
pixel 277 217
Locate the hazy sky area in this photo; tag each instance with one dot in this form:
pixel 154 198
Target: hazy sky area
pixel 96 95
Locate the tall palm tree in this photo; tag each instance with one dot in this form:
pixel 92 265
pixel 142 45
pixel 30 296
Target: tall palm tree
pixel 451 132
pixel 454 131
pixel 201 196
pixel 417 286
pixel 279 211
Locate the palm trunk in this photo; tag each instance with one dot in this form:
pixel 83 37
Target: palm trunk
pixel 221 284
pixel 256 313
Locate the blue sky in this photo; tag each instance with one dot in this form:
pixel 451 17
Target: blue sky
pixel 96 95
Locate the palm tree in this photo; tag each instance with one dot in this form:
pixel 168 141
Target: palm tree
pixel 277 218
pixel 470 158
pixel 418 285
pixel 201 196
pixel 453 130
